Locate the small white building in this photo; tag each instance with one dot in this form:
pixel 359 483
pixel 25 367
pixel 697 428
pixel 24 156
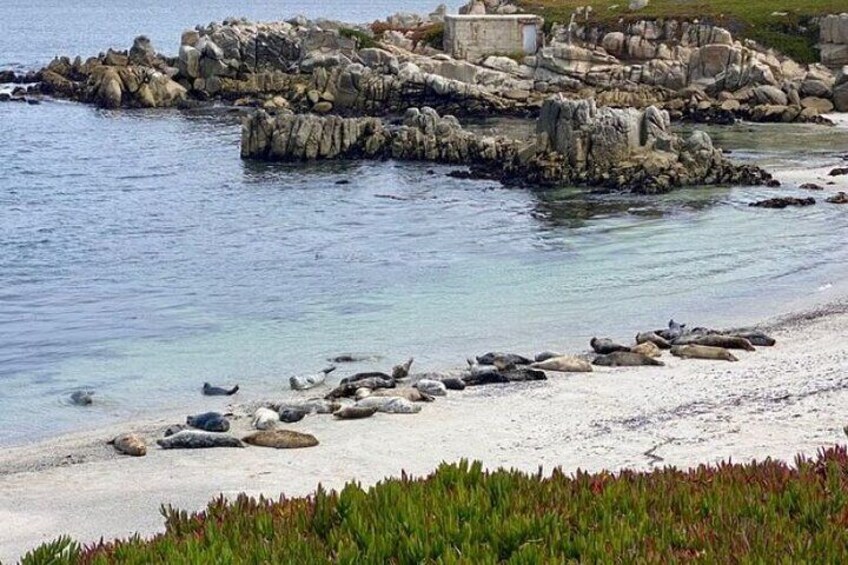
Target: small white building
pixel 473 37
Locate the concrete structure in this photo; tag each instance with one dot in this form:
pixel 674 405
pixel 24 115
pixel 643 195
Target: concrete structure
pixel 473 37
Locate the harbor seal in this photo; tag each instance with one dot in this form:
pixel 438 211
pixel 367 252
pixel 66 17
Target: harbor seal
pixel 194 439
pixel 657 340
pixel 564 364
pixel 626 359
pixel 431 387
pixel 389 405
pixel 209 422
pixel 365 376
pixel 477 375
pixel 210 390
pixel 605 346
pixel 354 412
pixel 281 439
pixel 313 405
pixel 545 355
pixel 292 415
pixel 453 383
pixel 674 330
pixel 410 393
pixel 82 397
pixel 725 341
pixel 402 371
pixel 757 338
pixel 648 349
pixel 353 358
pixel 265 419
pixel 702 352
pixel 130 444
pixel 349 389
pixel 493 358
pixel 310 381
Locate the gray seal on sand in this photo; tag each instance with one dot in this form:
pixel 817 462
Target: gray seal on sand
pixel 389 405
pixel 210 390
pixel 545 355
pixel 654 338
pixel 431 387
pixel 130 444
pixel 409 393
pixel 725 341
pixel 310 381
pixel 756 338
pixel 265 418
pixel 626 359
pixel 604 346
pixel 702 352
pixel 349 389
pixel 195 439
pixel 494 358
pixel 402 371
pixel 209 422
pixel 174 429
pixel 355 412
pixel 564 364
pixel 281 439
pixel 292 415
pixel 648 348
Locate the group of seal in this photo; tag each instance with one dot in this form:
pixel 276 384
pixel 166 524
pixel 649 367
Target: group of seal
pixel 364 394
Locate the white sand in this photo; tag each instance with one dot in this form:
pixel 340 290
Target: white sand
pixel 775 402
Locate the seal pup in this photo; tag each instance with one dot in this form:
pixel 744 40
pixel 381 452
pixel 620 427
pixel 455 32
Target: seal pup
pixel 265 419
pixel 292 415
pixel 564 364
pixel 545 355
pixel 281 439
pixel 194 439
pixel 648 348
pixel 410 393
pixel 82 397
pixel 310 381
pixel 756 338
pixel 431 387
pixel 725 341
pixel 354 412
pixel 389 405
pixel 209 422
pixel 402 371
pixel 130 444
pixel 657 340
pixel 702 352
pixel 492 358
pixel 210 390
pixel 626 359
pixel 604 346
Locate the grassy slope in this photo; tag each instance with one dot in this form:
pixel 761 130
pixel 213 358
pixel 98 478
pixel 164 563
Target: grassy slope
pixel 763 512
pixel 750 19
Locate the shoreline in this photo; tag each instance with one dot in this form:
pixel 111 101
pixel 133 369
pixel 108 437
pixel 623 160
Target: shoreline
pixel 776 402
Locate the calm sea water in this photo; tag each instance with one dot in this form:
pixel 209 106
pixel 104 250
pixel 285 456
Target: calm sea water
pixel 140 256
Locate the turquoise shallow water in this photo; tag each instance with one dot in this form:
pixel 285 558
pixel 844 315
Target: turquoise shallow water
pixel 140 256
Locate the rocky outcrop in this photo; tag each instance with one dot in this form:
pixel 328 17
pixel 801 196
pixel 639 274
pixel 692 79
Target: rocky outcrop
pixel 576 143
pixel 833 30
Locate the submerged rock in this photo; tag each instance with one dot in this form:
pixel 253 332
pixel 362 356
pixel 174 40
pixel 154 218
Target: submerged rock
pixel 783 202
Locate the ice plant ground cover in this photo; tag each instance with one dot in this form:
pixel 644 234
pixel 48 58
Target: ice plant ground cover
pixel 764 511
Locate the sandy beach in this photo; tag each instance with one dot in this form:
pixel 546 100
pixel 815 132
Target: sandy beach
pixel 775 402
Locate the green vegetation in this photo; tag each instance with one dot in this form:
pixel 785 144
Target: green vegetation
pixel 792 34
pixel 755 513
pixel 363 40
pixel 432 35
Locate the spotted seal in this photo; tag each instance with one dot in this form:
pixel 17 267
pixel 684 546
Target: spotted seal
pixel 654 338
pixel 265 418
pixel 431 387
pixel 354 412
pixel 209 422
pixel 130 444
pixel 648 348
pixel 564 364
pixel 626 359
pixel 702 352
pixel 82 397
pixel 210 390
pixel 195 439
pixel 310 381
pixel 604 346
pixel 281 439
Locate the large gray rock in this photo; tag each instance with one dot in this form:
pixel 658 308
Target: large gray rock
pixel 770 95
pixel 840 97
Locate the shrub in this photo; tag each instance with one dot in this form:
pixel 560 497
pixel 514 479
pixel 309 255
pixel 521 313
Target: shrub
pixel 759 512
pixel 363 40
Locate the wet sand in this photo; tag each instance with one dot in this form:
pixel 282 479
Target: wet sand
pixel 775 402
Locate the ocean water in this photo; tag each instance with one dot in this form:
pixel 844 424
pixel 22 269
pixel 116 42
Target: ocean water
pixel 140 257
